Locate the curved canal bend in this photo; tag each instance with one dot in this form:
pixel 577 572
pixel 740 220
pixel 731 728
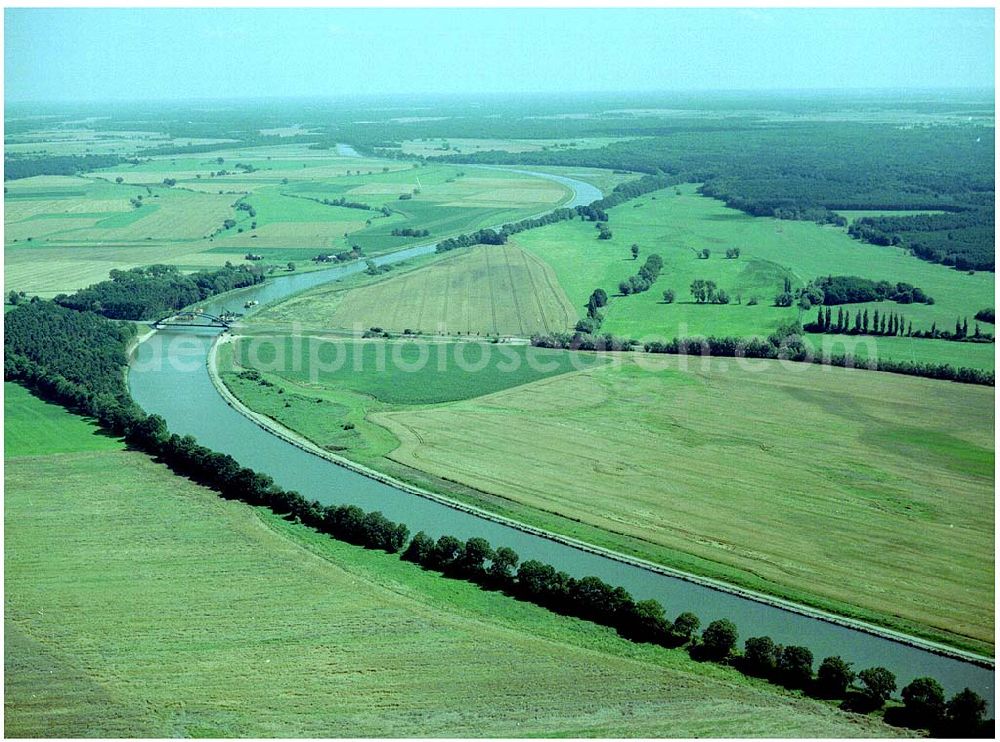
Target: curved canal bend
pixel 168 376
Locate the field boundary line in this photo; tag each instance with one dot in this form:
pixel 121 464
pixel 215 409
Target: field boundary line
pixel 513 288
pixel 530 266
pixel 493 299
pixel 308 446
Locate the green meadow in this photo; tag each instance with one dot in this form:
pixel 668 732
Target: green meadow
pixel 141 605
pixel 406 372
pixel 330 393
pixel 677 227
pixel 38 428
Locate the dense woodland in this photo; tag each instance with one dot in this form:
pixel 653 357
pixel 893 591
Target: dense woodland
pixel 854 289
pixel 150 292
pixel 26 166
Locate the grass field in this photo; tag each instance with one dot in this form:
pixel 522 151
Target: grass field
pixel 483 291
pixel 139 604
pixel 330 393
pixel 39 428
pixel 60 232
pixel 403 372
pixel 866 491
pixel 677 226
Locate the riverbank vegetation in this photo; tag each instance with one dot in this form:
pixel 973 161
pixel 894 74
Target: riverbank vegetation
pixel 157 290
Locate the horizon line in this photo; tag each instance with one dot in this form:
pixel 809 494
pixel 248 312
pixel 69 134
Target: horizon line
pixel 471 95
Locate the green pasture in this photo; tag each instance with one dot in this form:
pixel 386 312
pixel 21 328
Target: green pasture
pixel 33 427
pixel 327 388
pixel 677 227
pixel 403 372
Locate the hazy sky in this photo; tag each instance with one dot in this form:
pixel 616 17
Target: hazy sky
pixel 100 54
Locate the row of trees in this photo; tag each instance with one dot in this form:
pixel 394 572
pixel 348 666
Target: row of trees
pixel 784 344
pixel 583 341
pixel 592 599
pixel 884 324
pixel 645 278
pixel 781 345
pixel 924 704
pixel 960 334
pixel 410 232
pixel 891 325
pixel 790 346
pixel 149 292
pixel 346 204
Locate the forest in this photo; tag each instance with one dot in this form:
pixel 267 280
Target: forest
pixel 150 292
pixel 16 167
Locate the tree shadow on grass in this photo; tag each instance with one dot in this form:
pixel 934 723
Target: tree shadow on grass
pixel 859 703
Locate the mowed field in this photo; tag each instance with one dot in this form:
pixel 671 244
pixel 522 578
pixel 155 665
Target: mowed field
pixel 139 604
pixel 327 389
pixel 486 290
pixel 869 494
pixel 678 226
